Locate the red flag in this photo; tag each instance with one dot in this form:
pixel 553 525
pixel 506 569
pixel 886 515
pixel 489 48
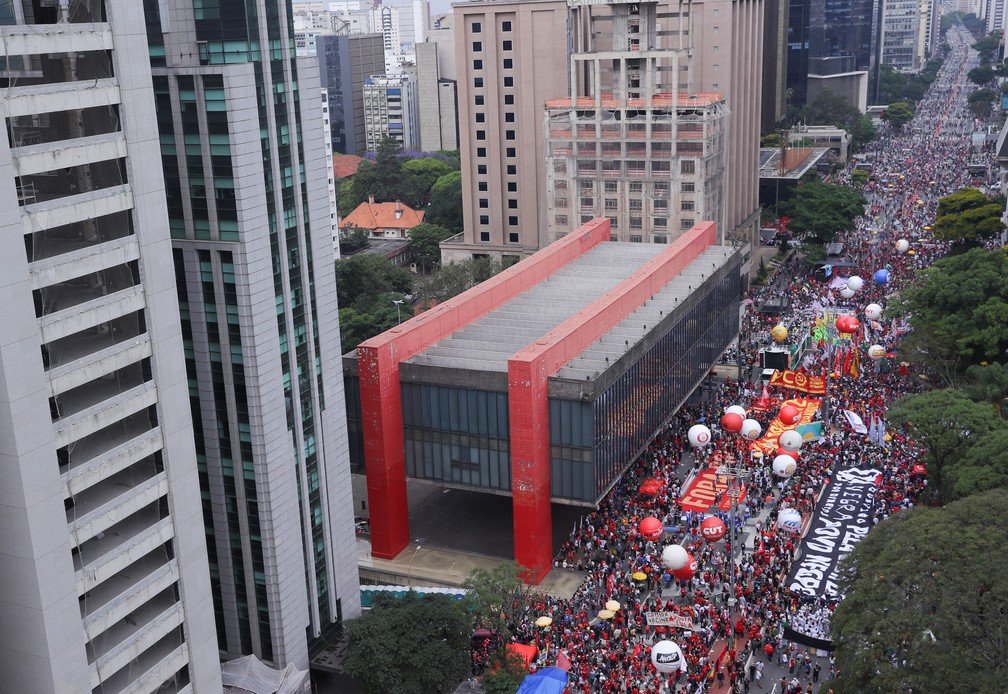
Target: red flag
pixel 610 584
pixel 563 662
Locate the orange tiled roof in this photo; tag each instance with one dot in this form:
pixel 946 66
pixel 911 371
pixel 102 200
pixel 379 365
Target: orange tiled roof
pixel 382 215
pixel 345 165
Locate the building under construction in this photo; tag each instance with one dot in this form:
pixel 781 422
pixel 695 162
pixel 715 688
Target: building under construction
pixel 630 145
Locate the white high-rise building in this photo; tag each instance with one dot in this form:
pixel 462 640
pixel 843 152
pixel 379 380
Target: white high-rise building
pixel 901 37
pixel 390 108
pixel 104 581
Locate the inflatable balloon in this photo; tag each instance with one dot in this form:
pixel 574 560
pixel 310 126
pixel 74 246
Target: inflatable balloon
pixel 876 352
pixel 651 528
pixel 842 324
pixel 751 429
pixel 713 529
pixel 789 414
pixel 902 246
pixel 698 435
pixel 731 422
pixel 667 657
pixel 789 520
pixel 853 324
pixel 882 276
pixel 675 557
pixel 847 293
pixel 790 440
pixel 918 470
pixel 854 282
pixel 873 311
pixel 687 572
pixel 779 333
pixel 793 455
pixel 737 409
pixel 784 466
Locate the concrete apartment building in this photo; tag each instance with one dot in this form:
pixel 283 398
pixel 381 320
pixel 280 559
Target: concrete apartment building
pixel 508 56
pixel 626 146
pixel 390 110
pixel 104 584
pixel 245 175
pixel 344 63
pixel 437 98
pixel 900 44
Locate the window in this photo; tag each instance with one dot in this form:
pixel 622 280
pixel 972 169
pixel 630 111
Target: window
pixel 481 152
pixel 588 203
pixel 636 223
pixel 482 186
pixel 688 187
pixel 634 238
pixel 480 100
pixel 636 187
pixel 484 203
pixel 481 169
pixel 477 65
pixel 610 203
pixel 686 205
pixel 509 81
pixel 508 63
pixel 481 117
pixel 513 220
pixel 507 45
pixel 512 187
pixel 505 26
pixel 484 219
pixel 478 82
pixel 509 134
pixel 513 237
pixel 512 170
pixel 561 219
pixel 484 236
pixel 481 134
pixel 611 186
pixel 686 224
pixel 687 166
pixel 512 204
pixel 477 28
pixel 511 152
pixel 509 117
pixel 477 46
pixel 509 99
pixel 561 202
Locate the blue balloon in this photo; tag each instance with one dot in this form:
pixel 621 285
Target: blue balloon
pixel 882 276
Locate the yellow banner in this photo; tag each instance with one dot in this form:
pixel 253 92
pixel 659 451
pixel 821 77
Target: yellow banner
pixel 806 406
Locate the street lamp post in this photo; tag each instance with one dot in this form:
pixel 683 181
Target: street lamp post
pixel 732 476
pixel 398 303
pixel 409 569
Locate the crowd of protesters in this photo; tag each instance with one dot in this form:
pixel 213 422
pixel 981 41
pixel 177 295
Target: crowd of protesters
pixel 731 648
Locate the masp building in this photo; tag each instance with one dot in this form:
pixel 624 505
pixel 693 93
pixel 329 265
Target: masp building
pixel 543 383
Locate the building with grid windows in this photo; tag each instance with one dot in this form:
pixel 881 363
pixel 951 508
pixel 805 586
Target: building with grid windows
pixel 544 382
pixel 104 584
pixel 901 42
pixel 246 182
pixel 391 110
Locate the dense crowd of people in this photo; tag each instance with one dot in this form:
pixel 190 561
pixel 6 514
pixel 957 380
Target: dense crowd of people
pixel 731 647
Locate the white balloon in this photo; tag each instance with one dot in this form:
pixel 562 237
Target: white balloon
pixel 902 246
pixel 675 557
pixel 876 352
pixel 784 466
pixel 751 429
pixel 736 409
pixel 667 657
pixel 698 435
pixel 789 520
pixel 873 311
pixel 854 282
pixel 790 440
pixel 847 293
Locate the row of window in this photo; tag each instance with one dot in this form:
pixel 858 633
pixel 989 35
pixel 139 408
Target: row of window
pixel 477 27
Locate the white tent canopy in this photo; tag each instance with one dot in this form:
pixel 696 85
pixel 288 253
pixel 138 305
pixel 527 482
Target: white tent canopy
pixel 249 674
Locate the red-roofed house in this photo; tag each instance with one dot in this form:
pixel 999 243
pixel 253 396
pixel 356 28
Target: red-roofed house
pixel 384 219
pixel 345 165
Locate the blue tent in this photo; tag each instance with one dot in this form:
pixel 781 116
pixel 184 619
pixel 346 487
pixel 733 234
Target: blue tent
pixel 551 680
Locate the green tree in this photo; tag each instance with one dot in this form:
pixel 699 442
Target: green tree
pixel 987 46
pixel 346 201
pixel 498 598
pixel 505 672
pixel 367 275
pixel 926 594
pixel 980 102
pixel 454 278
pixel 829 108
pixel 891 84
pixel 959 313
pixel 424 240
pixel 984 465
pixel 771 140
pixel 898 114
pixel 819 211
pixel 968 217
pixel 421 174
pixel 409 645
pixel 981 74
pixel 445 207
pixel 352 239
pixel 988 383
pixel 859 177
pixel 946 423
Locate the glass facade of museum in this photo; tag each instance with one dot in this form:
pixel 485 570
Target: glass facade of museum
pixel 460 436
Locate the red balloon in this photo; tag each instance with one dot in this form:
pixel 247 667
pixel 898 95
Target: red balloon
pixel 731 422
pixel 713 529
pixel 853 325
pixel 918 471
pixel 651 528
pixel 789 414
pixel 793 454
pixel 687 571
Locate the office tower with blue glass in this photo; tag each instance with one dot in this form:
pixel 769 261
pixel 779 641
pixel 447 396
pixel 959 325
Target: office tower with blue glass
pixel 242 148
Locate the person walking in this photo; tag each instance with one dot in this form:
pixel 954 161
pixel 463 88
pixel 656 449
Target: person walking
pixel 815 672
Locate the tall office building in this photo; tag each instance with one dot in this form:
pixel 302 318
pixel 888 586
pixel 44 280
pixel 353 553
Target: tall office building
pixel 500 45
pixel 243 154
pixel 628 145
pixel 104 584
pixel 773 106
pixel 344 63
pixel 437 99
pixel 900 43
pixel 390 110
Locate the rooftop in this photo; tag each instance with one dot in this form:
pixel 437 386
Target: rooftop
pixel 345 165
pixel 383 215
pixel 657 101
pixel 797 162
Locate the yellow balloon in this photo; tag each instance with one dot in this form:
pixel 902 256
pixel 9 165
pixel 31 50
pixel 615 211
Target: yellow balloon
pixel 779 333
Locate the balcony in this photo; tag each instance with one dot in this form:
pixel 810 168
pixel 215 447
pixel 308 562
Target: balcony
pixel 108 451
pixel 156 666
pixel 77 346
pixel 129 638
pixel 120 547
pixel 115 405
pixel 83 261
pixel 71 209
pixel 105 504
pixel 98 364
pixel 120 595
pixel 39 158
pixel 92 313
pixel 48 98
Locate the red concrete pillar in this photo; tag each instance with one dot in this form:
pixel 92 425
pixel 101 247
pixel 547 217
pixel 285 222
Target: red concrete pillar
pixel 384 454
pixel 528 411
